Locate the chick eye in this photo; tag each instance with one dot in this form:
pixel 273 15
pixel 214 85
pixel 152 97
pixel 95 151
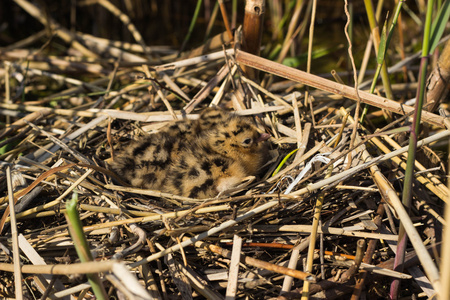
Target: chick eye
pixel 247 141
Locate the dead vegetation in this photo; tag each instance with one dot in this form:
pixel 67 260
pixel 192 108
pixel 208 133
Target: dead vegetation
pixel 323 222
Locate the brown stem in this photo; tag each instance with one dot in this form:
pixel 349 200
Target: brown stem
pixel 331 86
pixel 371 247
pixel 252 30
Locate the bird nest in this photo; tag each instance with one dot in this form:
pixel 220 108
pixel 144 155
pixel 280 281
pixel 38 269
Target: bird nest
pixel 323 214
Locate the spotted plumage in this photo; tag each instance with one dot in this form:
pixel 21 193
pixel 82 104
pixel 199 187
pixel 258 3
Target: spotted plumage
pixel 196 158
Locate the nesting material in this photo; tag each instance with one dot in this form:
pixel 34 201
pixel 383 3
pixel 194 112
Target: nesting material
pixel 209 174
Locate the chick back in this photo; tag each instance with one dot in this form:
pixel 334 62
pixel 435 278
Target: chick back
pixel 144 163
pixel 185 158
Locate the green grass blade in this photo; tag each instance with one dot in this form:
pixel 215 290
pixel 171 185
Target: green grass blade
pixel 382 46
pixel 283 162
pixel 82 246
pixel 438 27
pixel 191 26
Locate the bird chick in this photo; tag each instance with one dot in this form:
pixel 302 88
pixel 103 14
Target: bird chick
pixel 224 155
pixel 197 159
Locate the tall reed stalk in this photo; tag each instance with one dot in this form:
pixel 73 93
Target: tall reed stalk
pixel 414 132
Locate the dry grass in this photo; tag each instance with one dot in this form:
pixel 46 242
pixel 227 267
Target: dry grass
pixel 302 228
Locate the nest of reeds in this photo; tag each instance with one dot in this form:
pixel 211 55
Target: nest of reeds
pixel 325 219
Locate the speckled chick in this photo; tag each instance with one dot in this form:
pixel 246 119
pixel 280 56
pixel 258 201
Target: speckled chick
pixel 197 159
pixel 220 159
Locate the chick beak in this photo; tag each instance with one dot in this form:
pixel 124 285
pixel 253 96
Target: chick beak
pixel 263 137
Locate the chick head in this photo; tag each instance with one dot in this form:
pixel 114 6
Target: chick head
pixel 238 139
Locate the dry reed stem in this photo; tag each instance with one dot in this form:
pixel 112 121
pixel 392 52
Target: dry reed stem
pixel 206 90
pixel 61 269
pixel 194 61
pixel 225 19
pixel 252 31
pixel 291 32
pixel 93 112
pixel 333 231
pixel 234 268
pixel 14 235
pixel 313 236
pixel 445 261
pixel 53 64
pixel 295 255
pixel 331 86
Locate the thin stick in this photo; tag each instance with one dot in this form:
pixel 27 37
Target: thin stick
pixel 313 237
pixel 355 79
pixel 14 237
pixel 230 294
pixel 295 255
pixel 298 124
pixel 223 11
pixel 445 261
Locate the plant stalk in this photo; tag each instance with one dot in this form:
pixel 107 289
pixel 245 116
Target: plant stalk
pixel 82 246
pixel 414 132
